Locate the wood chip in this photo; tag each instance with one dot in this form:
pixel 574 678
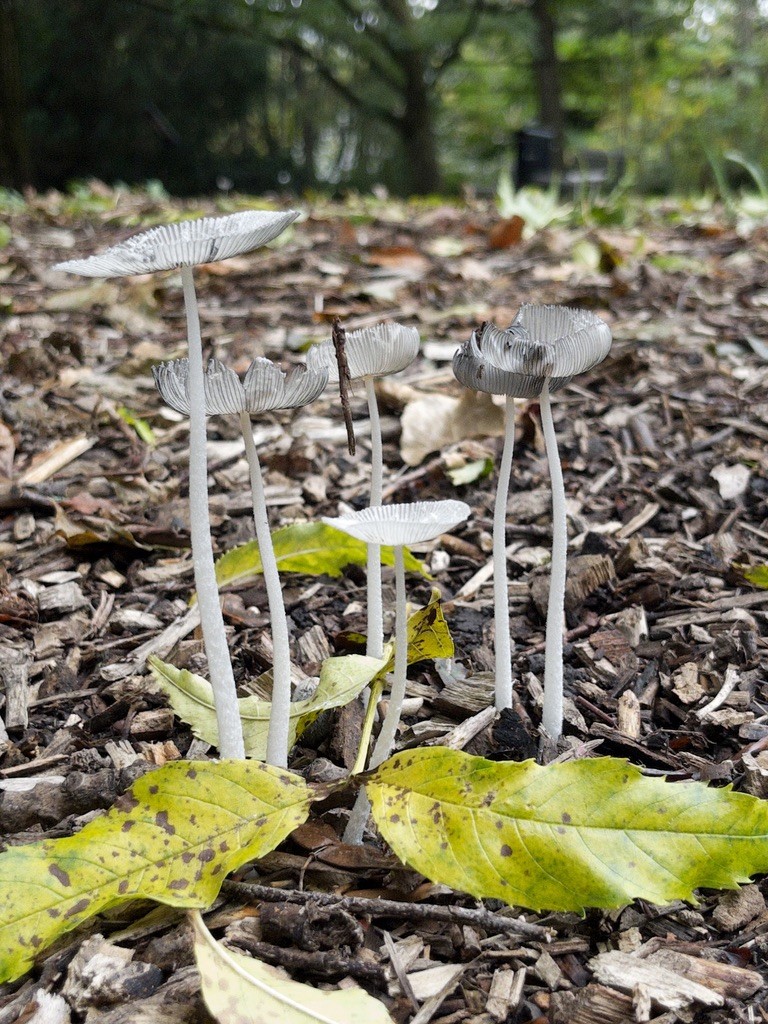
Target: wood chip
pixel 14 673
pixel 639 521
pixel 736 909
pixel 48 463
pixel 429 983
pixel 628 715
pixel 664 987
pixel 585 574
pixel 594 1004
pixel 62 599
pixel 756 773
pixel 505 993
pixel 685 683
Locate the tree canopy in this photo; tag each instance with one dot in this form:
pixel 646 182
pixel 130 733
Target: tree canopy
pixel 419 95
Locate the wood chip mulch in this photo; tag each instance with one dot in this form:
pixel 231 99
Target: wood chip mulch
pixel 664 451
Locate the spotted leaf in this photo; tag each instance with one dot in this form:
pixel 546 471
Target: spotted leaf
pixel 173 837
pixel 588 833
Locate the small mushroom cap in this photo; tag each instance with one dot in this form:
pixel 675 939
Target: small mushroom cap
pixel 265 387
pixel 184 244
pixel 371 352
pixel 544 345
pixel 402 524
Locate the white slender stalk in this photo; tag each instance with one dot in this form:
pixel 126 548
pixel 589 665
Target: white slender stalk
pixel 503 644
pixel 279 719
pixel 212 621
pixel 552 715
pixel 374 647
pixel 386 738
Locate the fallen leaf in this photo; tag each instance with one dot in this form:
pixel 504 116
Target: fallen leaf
pixel 506 233
pixel 732 481
pixel 239 989
pixel 191 697
pixel 435 421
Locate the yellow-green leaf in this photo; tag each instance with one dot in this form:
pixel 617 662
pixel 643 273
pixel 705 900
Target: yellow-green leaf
pixel 142 428
pixel 428 634
pixel 173 837
pixel 191 697
pixel 588 833
pixel 757 575
pixel 238 989
pixel 314 549
pixel 470 471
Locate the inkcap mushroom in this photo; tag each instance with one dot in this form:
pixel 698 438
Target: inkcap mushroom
pixel 371 352
pixel 397 525
pixel 543 348
pixel 185 245
pixel 264 387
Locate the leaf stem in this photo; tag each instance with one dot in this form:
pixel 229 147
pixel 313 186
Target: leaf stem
pixel 279 720
pixel 212 621
pixel 374 693
pixel 503 642
pixel 552 714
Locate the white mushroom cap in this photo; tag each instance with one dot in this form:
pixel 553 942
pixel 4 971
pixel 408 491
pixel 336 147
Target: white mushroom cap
pixel 264 387
pixel 371 352
pixel 543 345
pixel 402 524
pixel 184 244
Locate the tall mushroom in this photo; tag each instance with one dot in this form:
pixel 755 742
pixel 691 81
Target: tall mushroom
pixel 397 525
pixel 371 352
pixel 184 245
pixel 265 387
pixel 544 347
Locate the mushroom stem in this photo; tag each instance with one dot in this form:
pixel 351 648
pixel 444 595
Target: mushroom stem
pixel 386 738
pixel 503 643
pixel 212 621
pixel 374 647
pixel 279 719
pixel 552 714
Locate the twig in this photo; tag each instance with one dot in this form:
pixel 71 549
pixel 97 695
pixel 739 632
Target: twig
pixel 339 338
pixel 480 917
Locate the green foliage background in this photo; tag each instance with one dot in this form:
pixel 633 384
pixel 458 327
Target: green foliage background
pixel 348 93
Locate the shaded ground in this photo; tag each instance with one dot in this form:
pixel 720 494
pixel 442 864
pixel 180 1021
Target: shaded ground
pixel 664 458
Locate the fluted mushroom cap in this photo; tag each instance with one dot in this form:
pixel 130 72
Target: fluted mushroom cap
pixel 263 388
pixel 371 351
pixel 184 244
pixel 402 524
pixel 543 345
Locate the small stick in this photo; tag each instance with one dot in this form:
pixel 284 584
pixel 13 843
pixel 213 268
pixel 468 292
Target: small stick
pixel 339 338
pixel 481 917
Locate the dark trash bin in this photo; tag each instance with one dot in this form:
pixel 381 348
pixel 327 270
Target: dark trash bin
pixel 535 156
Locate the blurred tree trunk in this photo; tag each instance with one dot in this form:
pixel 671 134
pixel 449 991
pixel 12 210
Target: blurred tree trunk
pixel 416 123
pixel 15 167
pixel 416 127
pixel 547 72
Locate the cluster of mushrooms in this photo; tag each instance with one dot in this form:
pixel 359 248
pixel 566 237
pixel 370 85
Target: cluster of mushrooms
pixel 538 354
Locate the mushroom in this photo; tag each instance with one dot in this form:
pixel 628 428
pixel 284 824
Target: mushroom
pixel 371 352
pixel 396 525
pixel 184 245
pixel 265 387
pixel 544 347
